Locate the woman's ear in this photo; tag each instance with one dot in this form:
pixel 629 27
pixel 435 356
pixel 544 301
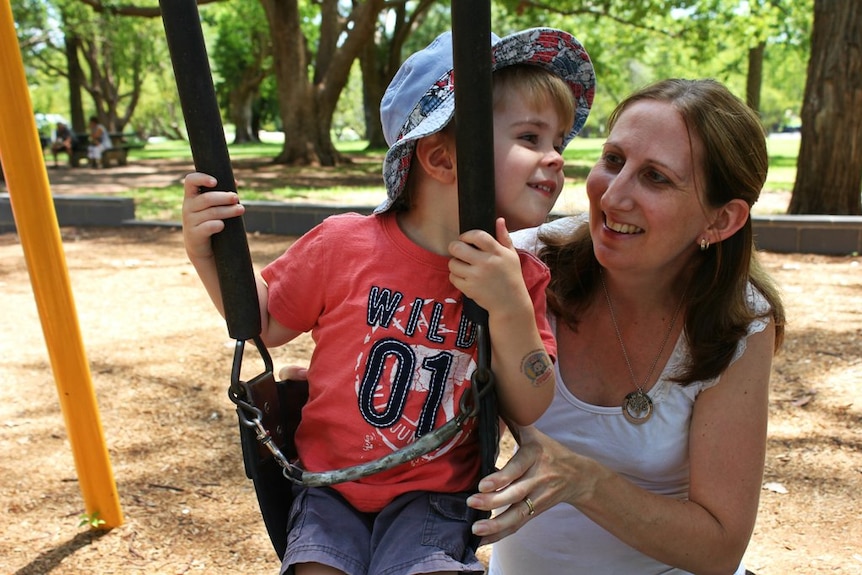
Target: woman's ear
pixel 436 155
pixel 729 219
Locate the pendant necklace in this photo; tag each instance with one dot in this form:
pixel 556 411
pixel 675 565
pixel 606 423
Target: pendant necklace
pixel 637 406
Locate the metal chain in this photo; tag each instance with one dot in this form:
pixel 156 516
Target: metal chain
pixel 252 417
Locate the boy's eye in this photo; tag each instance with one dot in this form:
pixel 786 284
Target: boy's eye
pixel 532 138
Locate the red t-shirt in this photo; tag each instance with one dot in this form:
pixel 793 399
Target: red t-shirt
pixel 392 356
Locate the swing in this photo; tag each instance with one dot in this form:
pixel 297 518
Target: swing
pixel 268 410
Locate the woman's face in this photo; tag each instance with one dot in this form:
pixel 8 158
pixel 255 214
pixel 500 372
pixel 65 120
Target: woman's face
pixel 644 192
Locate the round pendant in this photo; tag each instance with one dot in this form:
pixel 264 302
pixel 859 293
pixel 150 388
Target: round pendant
pixel 637 407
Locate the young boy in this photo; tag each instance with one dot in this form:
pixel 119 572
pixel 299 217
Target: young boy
pixel 381 296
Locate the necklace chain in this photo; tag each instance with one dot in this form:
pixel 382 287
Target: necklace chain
pixel 620 337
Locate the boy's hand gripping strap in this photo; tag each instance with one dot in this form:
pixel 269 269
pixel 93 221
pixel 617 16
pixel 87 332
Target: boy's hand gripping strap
pixel 474 133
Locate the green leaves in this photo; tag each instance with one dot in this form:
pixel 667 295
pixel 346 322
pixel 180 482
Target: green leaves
pixel 92 520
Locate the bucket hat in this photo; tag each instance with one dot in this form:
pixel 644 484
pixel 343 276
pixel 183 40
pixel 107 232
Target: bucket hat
pixel 420 99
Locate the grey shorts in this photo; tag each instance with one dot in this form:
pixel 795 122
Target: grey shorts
pixel 418 532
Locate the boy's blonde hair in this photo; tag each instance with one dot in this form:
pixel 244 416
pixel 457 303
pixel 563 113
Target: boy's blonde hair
pixel 539 87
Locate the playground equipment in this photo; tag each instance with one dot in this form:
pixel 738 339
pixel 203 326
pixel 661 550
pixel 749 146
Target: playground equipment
pixel 36 221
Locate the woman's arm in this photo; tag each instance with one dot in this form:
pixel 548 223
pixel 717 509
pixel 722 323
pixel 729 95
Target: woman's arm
pixel 709 532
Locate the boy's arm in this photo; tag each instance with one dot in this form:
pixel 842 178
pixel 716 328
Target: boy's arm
pixel 203 215
pixel 489 273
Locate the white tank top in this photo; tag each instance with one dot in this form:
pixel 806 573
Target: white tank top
pixel 654 456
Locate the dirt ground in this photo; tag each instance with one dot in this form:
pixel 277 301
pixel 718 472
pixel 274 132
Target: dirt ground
pixel 160 361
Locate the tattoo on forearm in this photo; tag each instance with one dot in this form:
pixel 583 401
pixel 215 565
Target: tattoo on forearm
pixel 536 365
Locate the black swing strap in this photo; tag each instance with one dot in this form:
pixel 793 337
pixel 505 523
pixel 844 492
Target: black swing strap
pixel 230 247
pixel 210 154
pixel 474 133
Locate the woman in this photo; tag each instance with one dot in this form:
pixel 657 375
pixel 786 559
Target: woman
pixel 650 458
pixel 100 141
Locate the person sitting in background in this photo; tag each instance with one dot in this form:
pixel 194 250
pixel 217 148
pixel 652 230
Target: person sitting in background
pixel 100 141
pixel 650 458
pixel 64 140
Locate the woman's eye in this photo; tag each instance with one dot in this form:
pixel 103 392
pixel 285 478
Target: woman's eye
pixel 656 177
pixel 612 159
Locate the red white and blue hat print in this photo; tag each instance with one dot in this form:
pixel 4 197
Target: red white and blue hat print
pixel 420 100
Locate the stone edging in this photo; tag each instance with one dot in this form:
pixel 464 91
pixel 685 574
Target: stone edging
pixel 828 235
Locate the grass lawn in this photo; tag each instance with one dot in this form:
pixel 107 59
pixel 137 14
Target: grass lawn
pixel 581 154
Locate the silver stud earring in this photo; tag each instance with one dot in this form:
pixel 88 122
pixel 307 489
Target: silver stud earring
pixel 704 244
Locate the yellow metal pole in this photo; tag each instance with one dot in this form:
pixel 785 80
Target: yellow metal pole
pixel 36 220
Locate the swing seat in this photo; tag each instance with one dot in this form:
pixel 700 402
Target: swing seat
pixel 281 404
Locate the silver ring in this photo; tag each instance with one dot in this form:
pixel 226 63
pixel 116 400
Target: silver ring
pixel 530 506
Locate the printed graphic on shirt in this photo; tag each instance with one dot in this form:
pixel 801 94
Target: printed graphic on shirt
pixel 414 367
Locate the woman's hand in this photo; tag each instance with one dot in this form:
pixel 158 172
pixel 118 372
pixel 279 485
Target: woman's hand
pixel 542 470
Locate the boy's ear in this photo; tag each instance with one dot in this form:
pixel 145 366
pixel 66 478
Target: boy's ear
pixel 729 219
pixel 436 155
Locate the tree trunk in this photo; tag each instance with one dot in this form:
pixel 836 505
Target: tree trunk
pixel 241 116
pixel 290 65
pixel 372 93
pixel 829 168
pixel 754 78
pixel 380 61
pixel 73 66
pixel 105 87
pixel 306 107
pixel 241 106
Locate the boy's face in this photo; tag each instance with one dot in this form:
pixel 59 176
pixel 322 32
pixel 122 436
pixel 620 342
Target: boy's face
pixel 528 163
